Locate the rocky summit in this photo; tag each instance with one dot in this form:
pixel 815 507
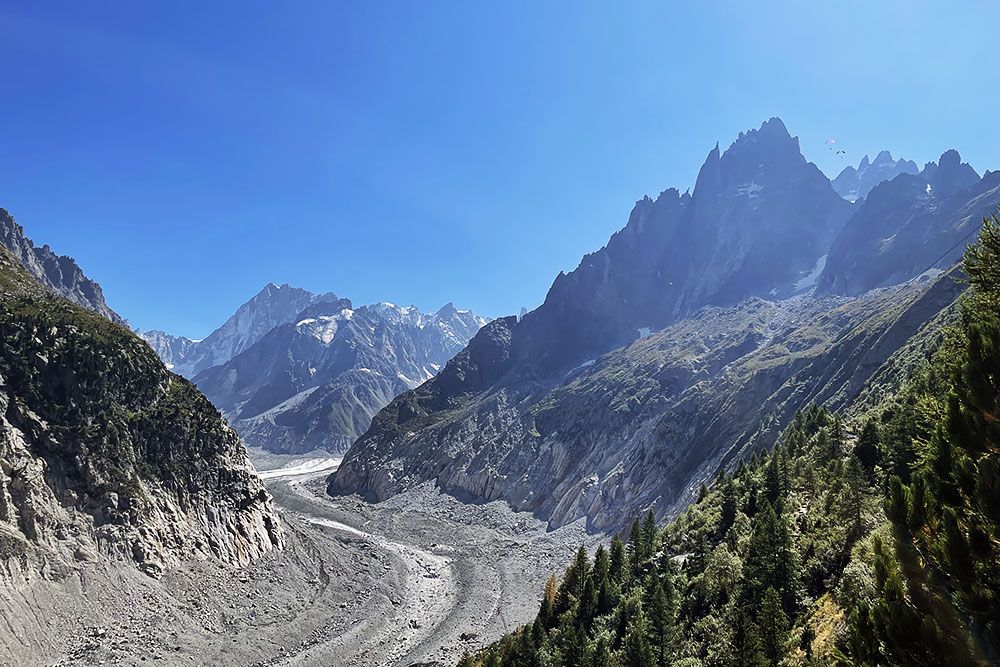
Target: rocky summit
pixel 58 272
pixel 273 305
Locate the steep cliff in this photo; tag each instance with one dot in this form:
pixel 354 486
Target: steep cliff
pixel 106 454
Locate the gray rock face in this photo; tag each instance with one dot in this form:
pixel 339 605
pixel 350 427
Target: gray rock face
pixel 106 454
pixel 855 183
pixel 910 225
pixel 317 381
pixel 57 272
pixel 270 307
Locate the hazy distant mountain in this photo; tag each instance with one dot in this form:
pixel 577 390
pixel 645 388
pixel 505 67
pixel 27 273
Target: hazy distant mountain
pixel 58 272
pixel 855 183
pixel 316 381
pixel 693 336
pixel 270 307
pixel 171 349
pixel 910 224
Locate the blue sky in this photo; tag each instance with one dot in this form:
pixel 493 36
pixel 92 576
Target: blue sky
pixel 432 152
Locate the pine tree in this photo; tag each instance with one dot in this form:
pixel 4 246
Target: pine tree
pixel 617 571
pixel 868 449
pixel 774 491
pixel 603 581
pixel 636 549
pixel 649 534
pixel 662 620
pixel 773 627
pixel 728 512
pixel 747 646
pixel 547 611
pixel 769 560
pixel 636 649
pixel 572 588
pixel 854 488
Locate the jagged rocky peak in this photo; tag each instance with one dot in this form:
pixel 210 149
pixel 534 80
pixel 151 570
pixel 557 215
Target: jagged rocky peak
pixel 949 174
pixel 909 225
pixel 758 220
pixel 323 309
pixel 855 183
pixel 171 349
pixel 104 454
pixel 755 157
pixel 271 306
pixel 58 272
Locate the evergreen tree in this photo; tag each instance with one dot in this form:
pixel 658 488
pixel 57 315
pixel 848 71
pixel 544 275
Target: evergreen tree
pixel 649 534
pixel 637 650
pixel 617 560
pixel 547 611
pixel 662 621
pixel 728 512
pixel 769 560
pixel 774 490
pixel 636 549
pixel 854 489
pixel 868 449
pixel 747 646
pixel 773 627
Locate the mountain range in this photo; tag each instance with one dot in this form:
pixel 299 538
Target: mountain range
pixel 854 183
pixel 270 307
pixel 702 325
pixel 316 381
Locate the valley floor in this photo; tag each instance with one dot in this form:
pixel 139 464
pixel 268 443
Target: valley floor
pixel 413 580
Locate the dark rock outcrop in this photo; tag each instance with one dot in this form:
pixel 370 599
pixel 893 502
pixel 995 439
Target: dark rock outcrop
pixel 57 272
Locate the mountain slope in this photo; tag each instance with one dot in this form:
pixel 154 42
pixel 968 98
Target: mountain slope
pixel 58 272
pixel 583 409
pixel 106 454
pixel 272 306
pixel 855 183
pixel 317 381
pixel 909 225
pixel 640 427
pixel 866 542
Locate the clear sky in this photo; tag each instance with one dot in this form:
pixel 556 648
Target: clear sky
pixel 425 152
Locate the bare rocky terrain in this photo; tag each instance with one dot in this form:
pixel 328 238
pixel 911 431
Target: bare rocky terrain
pixel 410 581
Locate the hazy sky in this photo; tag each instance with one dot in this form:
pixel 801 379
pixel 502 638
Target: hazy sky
pixel 425 152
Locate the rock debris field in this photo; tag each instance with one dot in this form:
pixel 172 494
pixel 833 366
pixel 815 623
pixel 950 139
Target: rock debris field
pixel 414 580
